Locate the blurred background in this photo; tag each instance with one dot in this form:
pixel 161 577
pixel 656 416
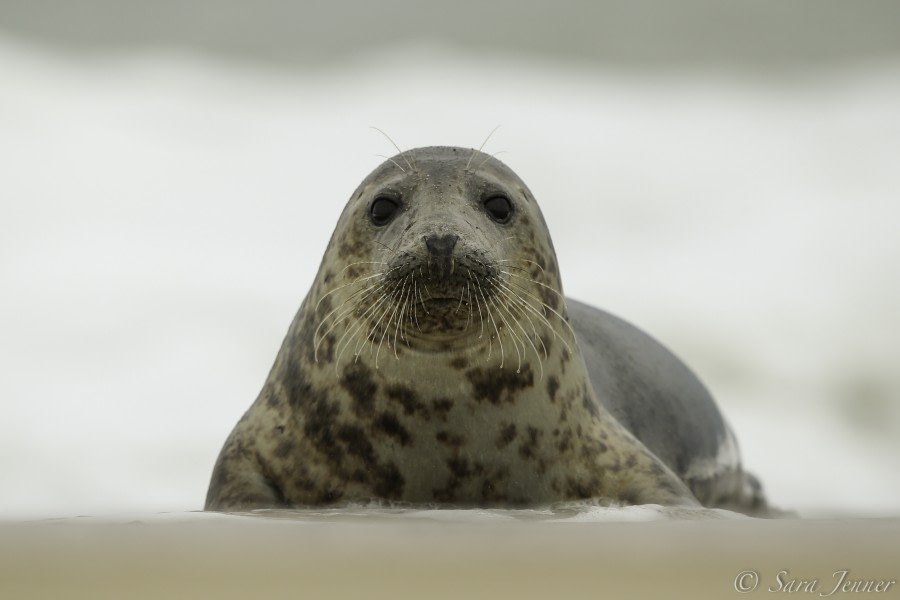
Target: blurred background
pixel 723 174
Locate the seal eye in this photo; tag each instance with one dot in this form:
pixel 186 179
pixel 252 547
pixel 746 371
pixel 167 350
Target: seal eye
pixel 499 208
pixel 383 210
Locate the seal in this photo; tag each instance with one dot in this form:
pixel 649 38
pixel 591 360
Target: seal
pixel 436 361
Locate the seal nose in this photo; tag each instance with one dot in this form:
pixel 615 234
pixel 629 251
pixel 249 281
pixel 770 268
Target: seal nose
pixel 440 254
pixel 440 247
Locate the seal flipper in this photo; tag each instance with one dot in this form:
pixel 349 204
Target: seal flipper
pixel 662 403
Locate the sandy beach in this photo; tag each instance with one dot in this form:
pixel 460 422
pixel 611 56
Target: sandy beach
pixel 435 555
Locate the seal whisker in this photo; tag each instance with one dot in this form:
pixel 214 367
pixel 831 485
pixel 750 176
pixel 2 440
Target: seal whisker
pixel 513 266
pixel 480 316
pixel 494 322
pixel 372 332
pixel 462 294
pixel 421 297
pixel 403 335
pixel 512 304
pixel 404 294
pixel 390 295
pixel 513 334
pixel 402 153
pixel 541 315
pixel 362 291
pixel 366 318
pixel 533 328
pixel 393 251
pixel 357 295
pixel 416 304
pixel 392 160
pixel 525 260
pixel 387 325
pixel 366 293
pixel 518 322
pixel 356 328
pixel 544 304
pixel 469 302
pixel 474 152
pixel 361 262
pixel 485 161
pixel 543 285
pixel 346 285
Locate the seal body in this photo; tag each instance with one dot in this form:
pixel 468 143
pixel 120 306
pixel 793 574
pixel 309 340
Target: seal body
pixel 435 360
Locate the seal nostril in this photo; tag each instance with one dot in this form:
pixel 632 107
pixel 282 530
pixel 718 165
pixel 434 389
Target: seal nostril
pixel 441 246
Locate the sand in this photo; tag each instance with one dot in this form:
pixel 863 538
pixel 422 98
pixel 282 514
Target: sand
pixel 463 555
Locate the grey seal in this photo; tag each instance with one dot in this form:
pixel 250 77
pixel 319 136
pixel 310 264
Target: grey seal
pixel 436 361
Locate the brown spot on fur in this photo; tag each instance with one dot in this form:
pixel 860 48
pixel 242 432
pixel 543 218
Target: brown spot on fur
pixel 552 387
pixel 389 424
pixel 300 392
pixel 351 245
pixel 507 435
pixel 577 489
pixel 459 467
pixel 357 443
pixel 441 407
pixel 496 385
pixel 354 272
pixel 451 440
pixel 565 442
pixel 581 489
pixel 460 470
pixel 284 448
pixel 550 298
pixel 318 429
pixel 546 344
pixel 389 482
pixel 299 477
pixel 303 335
pixel 447 493
pixel 528 448
pixel 564 414
pixel 459 363
pixel 407 398
pixel 361 386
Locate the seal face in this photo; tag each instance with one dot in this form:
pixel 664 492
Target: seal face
pixel 435 360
